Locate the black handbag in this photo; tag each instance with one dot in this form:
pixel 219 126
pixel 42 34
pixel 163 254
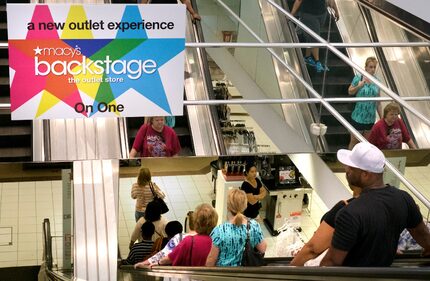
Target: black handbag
pixel 251 256
pixel 157 200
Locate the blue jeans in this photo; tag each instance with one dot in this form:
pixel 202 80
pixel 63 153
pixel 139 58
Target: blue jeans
pixel 138 215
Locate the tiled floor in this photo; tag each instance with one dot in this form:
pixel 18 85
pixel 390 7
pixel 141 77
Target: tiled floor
pixel 24 205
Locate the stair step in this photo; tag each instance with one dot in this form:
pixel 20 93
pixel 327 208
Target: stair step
pixel 12 152
pixel 15 131
pixel 181 131
pixel 4 81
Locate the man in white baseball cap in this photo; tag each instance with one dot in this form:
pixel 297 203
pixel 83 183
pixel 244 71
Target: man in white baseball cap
pixel 367 230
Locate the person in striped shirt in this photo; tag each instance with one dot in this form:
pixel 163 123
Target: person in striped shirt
pixel 141 250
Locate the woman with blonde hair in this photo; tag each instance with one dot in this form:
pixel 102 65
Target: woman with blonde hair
pixel 228 239
pixel 364 114
pixel 141 191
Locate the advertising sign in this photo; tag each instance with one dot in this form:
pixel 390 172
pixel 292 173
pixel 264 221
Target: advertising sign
pixel 85 61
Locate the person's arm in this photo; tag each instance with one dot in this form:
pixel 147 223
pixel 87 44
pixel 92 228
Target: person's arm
pixel 138 141
pixel 345 237
pixel 334 257
pixel 262 246
pixel 252 199
pixel 319 242
pixel 142 264
pixel 421 234
pixel 133 153
pixel 332 4
pixel 355 86
pixel 263 192
pixel 136 232
pixel 191 10
pixel 296 7
pixel 213 256
pixel 143 1
pixel 134 191
pixel 411 144
pixel 379 107
pixel 405 135
pixel 164 261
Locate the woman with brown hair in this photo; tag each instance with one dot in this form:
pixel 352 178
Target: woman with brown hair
pixel 155 139
pixel 228 239
pixel 141 191
pixel 390 132
pixel 193 250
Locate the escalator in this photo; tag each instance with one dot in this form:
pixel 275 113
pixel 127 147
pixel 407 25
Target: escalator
pixel 335 85
pixel 403 269
pixel 404 70
pixel 408 67
pixel 181 128
pixel 198 129
pixel 15 136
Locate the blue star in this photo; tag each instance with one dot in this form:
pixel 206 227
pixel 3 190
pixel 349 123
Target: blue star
pixel 150 85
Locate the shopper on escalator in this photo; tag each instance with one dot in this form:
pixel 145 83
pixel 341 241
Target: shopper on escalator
pixel 193 250
pixel 155 139
pixel 364 114
pixel 390 132
pixel 313 251
pixel 186 2
pixel 367 230
pixel 228 239
pixel 313 14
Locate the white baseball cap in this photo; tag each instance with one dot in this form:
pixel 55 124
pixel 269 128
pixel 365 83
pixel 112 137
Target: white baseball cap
pixel 364 156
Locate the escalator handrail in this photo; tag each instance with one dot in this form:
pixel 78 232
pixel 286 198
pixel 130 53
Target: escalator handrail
pixel 405 19
pixel 385 65
pixel 270 272
pixel 305 73
pixel 47 243
pixel 339 117
pixel 208 81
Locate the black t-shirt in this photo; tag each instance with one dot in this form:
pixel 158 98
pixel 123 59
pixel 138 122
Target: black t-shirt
pixel 330 216
pixel 313 7
pixel 369 227
pixel 252 211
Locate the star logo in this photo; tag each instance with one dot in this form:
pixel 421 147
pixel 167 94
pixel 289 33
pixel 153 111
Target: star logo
pixel 37 51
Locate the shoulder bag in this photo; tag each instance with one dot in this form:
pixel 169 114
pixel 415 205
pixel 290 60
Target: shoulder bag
pixel 160 202
pixel 251 256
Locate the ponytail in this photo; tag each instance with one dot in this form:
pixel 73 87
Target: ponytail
pixel 238 219
pixel 236 204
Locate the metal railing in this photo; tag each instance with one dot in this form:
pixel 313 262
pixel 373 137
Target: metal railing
pixel 318 98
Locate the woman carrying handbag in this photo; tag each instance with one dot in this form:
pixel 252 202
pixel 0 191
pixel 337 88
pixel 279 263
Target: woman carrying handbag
pixel 142 192
pixel 230 238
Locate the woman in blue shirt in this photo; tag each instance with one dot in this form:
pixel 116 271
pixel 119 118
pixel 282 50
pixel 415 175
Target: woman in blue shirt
pixel 364 114
pixel 228 239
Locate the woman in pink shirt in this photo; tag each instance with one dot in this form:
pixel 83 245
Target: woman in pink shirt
pixel 390 132
pixel 193 250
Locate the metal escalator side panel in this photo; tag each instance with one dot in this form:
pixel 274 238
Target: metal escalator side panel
pixel 95 219
pixel 408 76
pixel 204 125
pixel 298 116
pixel 413 17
